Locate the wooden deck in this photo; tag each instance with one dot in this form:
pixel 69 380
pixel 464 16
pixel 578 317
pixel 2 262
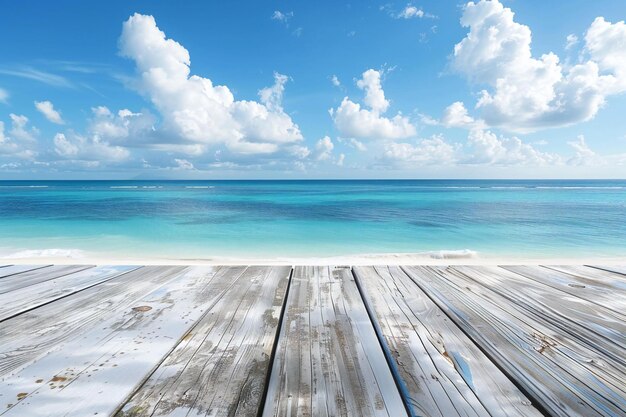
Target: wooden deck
pixel 312 341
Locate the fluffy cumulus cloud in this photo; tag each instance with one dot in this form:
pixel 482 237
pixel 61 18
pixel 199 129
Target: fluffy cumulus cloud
pixel 107 140
pixel 410 12
pixel 193 109
pixel 90 151
pixel 483 147
pixel 583 154
pixel 20 141
pixel 47 109
pixel 456 115
pixel 369 122
pixel 324 148
pixel 527 93
pixel 570 41
pixel 124 127
pixel 434 150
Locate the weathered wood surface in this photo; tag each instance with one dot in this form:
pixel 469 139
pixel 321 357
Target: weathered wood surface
pixel 17 302
pixel 444 341
pixel 562 381
pixel 220 367
pixel 329 361
pixel 36 332
pixel 596 286
pixel 598 328
pixel 445 374
pixel 92 374
pixel 36 276
pixel 618 269
pixel 9 270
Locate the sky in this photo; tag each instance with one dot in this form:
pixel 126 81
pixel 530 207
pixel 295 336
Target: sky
pixel 325 89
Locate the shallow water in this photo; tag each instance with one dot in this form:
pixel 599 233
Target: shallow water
pixel 202 219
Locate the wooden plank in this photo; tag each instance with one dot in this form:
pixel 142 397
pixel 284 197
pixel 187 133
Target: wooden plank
pixel 555 331
pixel 553 375
pixel 618 269
pixel 36 276
pixel 25 299
pixel 10 270
pixel 613 278
pixel 220 367
pixel 598 287
pixel 445 374
pixel 34 333
pixel 93 373
pixel 599 329
pixel 329 361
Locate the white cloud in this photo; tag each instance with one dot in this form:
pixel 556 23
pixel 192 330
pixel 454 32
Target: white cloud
pixel 324 148
pixel 584 155
pixel 183 164
pixel 47 109
pixel 410 11
pixel 124 127
pixel 4 95
pixel 20 141
pixel 434 150
pixel 194 110
pixel 356 144
pixel 456 115
pixel 485 147
pixel 340 159
pixel 528 93
pixel 20 129
pixel 335 81
pixel 570 41
pixel 353 121
pixel 282 17
pixel 37 75
pixel 92 149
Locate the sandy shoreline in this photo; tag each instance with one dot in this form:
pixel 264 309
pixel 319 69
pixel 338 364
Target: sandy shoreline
pixel 368 259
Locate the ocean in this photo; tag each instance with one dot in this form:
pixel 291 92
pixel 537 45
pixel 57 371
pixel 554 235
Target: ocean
pixel 515 219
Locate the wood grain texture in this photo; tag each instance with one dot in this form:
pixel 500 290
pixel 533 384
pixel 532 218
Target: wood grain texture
pixel 93 373
pixel 37 332
pixel 9 270
pixel 329 361
pixel 595 286
pixel 36 276
pixel 445 374
pixel 618 269
pixel 560 380
pixel 590 325
pixel 220 367
pixel 25 299
pixel 182 341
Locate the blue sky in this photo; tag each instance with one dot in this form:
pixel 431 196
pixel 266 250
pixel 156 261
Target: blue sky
pixel 313 89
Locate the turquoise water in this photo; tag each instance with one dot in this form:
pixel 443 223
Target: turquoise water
pixel 206 219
